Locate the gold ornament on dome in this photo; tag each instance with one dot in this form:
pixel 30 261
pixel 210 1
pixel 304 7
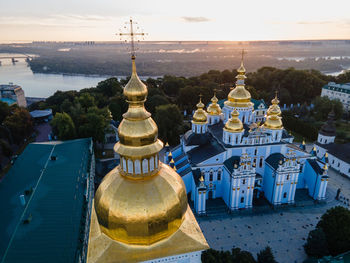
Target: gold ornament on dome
pixel 214 107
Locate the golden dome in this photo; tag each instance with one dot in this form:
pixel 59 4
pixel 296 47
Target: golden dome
pixel 200 116
pixel 141 213
pixel 239 97
pixel 142 200
pixel 214 108
pixel 234 124
pixel 273 116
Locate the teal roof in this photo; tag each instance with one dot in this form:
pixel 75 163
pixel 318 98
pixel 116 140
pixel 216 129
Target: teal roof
pixel 9 101
pixel 56 205
pixel 256 103
pixel 345 88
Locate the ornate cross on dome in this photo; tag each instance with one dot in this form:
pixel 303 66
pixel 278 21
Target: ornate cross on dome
pixel 132 34
pixel 243 52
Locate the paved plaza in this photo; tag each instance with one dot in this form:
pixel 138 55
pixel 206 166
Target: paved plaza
pixel 284 230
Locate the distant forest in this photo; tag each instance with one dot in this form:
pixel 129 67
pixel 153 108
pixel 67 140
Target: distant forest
pixel 183 58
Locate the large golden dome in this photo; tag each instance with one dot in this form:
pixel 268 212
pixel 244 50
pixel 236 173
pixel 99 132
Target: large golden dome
pixel 239 97
pixel 141 213
pixel 273 116
pixel 234 124
pixel 214 107
pixel 200 115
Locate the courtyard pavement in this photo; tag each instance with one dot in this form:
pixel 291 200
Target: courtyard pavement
pixel 284 230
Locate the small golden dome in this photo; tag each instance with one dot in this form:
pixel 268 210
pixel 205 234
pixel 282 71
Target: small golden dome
pixel 141 213
pixel 200 115
pixel 239 97
pixel 273 116
pixel 234 124
pixel 214 108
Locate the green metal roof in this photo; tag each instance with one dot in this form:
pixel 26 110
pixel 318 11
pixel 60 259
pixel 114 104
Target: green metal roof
pixel 56 205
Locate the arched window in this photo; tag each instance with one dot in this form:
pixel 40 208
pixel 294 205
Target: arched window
pixel 145 165
pixel 236 139
pixel 137 167
pixel 151 164
pixel 130 166
pixel 219 175
pixel 284 195
pixel 211 176
pixel 261 162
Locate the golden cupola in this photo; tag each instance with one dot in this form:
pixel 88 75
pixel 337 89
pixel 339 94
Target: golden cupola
pixel 273 116
pixel 140 210
pixel 239 97
pixel 199 116
pixel 234 124
pixel 214 107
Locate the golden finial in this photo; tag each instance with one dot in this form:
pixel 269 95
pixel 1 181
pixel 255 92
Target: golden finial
pixel 201 179
pixel 303 142
pixel 325 167
pixel 175 168
pixel 167 144
pixel 200 104
pixel 275 101
pixel 172 161
pixel 170 154
pixel 326 155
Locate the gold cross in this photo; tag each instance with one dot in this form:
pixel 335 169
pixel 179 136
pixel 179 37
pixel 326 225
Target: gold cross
pixel 132 35
pixel 242 54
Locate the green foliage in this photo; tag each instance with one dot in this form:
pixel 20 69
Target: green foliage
pixel 236 256
pixel 169 120
pixel 323 106
pixel 335 224
pixel 19 123
pixel 316 245
pixel 109 87
pixel 63 126
pixel 86 100
pixel 155 101
pixel 5 148
pixel 94 126
pixel 5 110
pixel 266 256
pixel 290 122
pixel 171 85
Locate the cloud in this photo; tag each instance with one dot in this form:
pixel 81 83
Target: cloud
pixel 195 19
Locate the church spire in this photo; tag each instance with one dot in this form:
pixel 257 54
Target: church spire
pixel 214 107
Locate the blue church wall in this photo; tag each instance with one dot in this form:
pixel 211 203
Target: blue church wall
pixel 268 182
pixel 188 178
pixel 312 180
pixel 227 189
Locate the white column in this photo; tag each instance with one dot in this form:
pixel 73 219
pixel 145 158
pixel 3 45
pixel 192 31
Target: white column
pixel 325 188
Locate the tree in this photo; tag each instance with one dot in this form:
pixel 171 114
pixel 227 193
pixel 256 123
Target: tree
pixel 86 100
pixel 63 126
pixel 241 256
pixel 94 126
pixel 5 148
pixel 266 256
pixel 316 244
pixel 5 110
pixel 20 124
pixel 335 224
pixel 169 120
pixel 171 85
pixel 109 87
pixel 323 105
pixel 154 102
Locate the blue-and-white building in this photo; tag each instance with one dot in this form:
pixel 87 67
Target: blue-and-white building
pixel 242 152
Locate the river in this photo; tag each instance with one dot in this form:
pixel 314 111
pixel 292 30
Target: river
pixel 41 85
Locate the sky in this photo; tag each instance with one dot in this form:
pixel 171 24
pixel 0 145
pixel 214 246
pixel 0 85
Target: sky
pixel 100 20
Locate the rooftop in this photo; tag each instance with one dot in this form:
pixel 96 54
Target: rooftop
pixel 341 151
pixel 9 87
pixel 54 194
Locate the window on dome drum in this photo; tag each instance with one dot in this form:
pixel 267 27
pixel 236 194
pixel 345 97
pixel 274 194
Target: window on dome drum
pixel 211 176
pixel 242 199
pixel 288 177
pixel 219 175
pixel 338 164
pixel 285 195
pixel 256 151
pixel 333 162
pixel 261 162
pixel 243 182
